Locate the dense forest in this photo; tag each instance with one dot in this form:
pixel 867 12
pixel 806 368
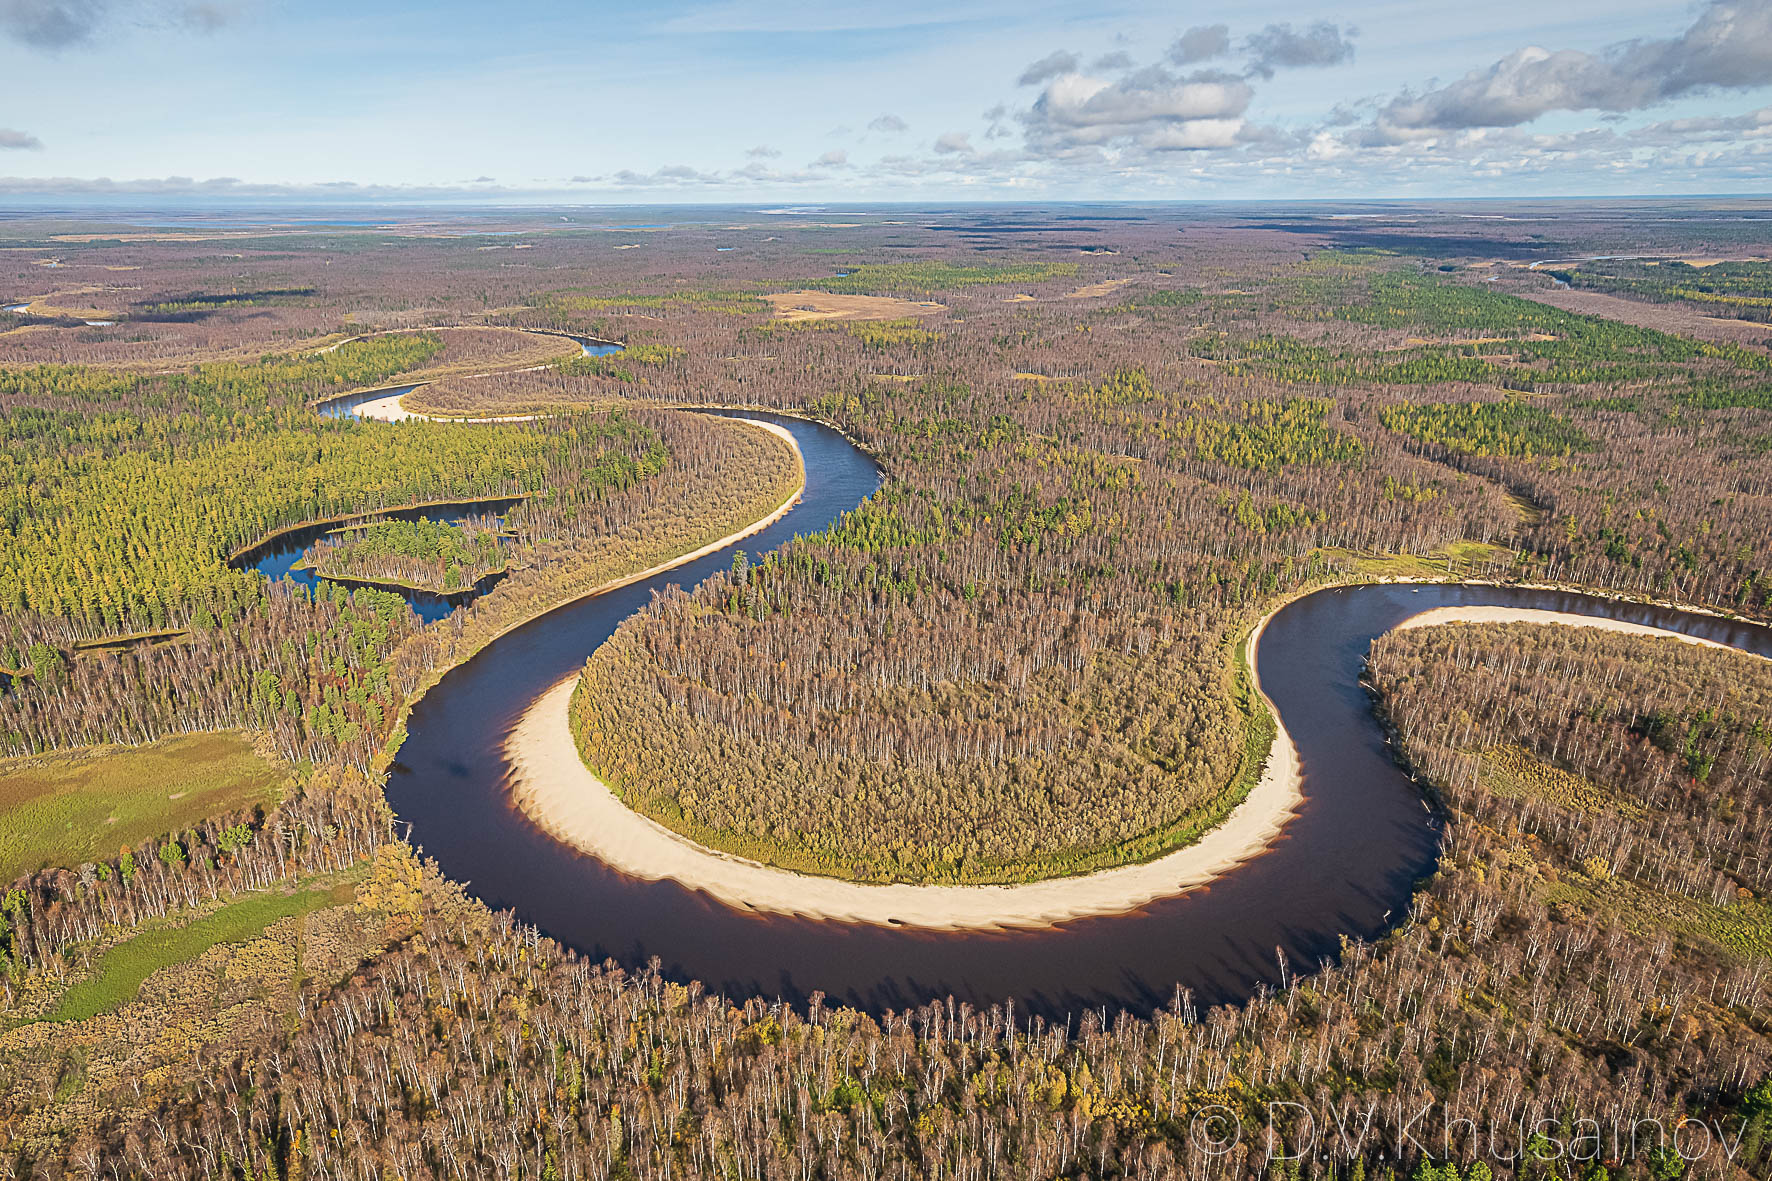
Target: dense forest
pixel 328 673
pixel 842 752
pixel 1512 1027
pixel 432 555
pixel 1124 530
pixel 1722 287
pixel 1647 764
pixel 1108 448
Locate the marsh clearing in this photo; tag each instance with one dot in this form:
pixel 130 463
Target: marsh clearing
pixel 801 306
pixel 83 805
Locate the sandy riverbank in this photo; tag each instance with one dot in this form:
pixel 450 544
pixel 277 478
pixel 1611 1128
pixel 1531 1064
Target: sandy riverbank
pixel 1440 615
pixel 554 787
pixel 390 409
pixel 756 526
pixel 386 755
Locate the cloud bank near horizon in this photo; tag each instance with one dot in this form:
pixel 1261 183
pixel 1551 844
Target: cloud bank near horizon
pixel 1211 109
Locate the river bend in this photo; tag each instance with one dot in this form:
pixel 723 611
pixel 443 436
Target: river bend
pixel 1345 865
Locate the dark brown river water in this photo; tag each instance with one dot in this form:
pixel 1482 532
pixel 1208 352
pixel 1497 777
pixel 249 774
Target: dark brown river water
pixel 1345 865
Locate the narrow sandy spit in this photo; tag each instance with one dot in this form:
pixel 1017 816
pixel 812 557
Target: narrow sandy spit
pixel 552 784
pixel 554 787
pixel 1440 615
pixel 391 409
pixel 386 409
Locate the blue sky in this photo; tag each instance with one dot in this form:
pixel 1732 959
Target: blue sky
pixel 915 100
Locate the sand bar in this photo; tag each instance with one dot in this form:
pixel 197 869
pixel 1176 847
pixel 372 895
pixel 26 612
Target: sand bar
pixel 553 786
pixel 390 409
pixel 1441 615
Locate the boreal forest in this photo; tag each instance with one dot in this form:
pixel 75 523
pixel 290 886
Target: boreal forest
pixel 986 529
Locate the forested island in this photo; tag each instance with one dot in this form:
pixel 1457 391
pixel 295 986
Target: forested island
pixel 423 555
pixel 1106 450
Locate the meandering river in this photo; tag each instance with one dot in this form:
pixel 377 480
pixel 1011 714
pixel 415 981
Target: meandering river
pixel 1345 865
pixel 277 556
pixel 347 405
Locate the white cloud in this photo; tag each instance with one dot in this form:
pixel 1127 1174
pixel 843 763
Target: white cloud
pixel 671 176
pixel 1201 43
pixel 229 186
pixel 1707 128
pixel 1282 47
pixel 1092 122
pixel 1194 135
pixel 1729 46
pixel 52 24
pixel 1055 64
pixel 1146 108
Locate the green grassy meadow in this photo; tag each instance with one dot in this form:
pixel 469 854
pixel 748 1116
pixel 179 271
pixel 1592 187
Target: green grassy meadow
pixel 122 969
pixel 73 807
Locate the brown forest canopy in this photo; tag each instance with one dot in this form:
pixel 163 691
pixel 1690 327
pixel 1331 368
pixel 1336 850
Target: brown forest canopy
pixel 1108 444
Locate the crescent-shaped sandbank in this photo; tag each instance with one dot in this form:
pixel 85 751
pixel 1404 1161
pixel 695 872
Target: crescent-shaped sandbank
pixel 552 785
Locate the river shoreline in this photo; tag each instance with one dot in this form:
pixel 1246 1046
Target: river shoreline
pixel 552 785
pixel 1439 616
pixel 369 515
pixel 1344 868
pixel 390 408
pixel 394 586
pixel 397 736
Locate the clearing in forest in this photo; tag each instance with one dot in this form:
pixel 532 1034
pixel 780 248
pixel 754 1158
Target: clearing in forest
pixel 1105 287
pixel 797 306
pixel 77 806
pixel 123 969
pixel 1516 773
